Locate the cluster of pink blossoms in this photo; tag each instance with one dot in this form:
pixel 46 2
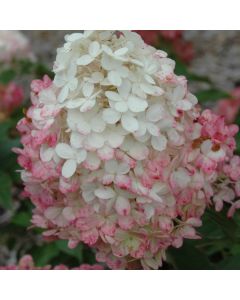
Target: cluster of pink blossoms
pixel 11 97
pixel 14 45
pixel 229 108
pixel 183 49
pixel 27 263
pixel 117 153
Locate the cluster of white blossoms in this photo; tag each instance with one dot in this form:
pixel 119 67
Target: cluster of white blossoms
pixel 117 154
pixel 109 88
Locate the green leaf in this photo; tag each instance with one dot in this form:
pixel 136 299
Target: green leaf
pixel 211 229
pixel 4 128
pixel 25 67
pixel 181 68
pixel 76 252
pixel 5 190
pixel 230 263
pixel 21 219
pixel 42 255
pixel 211 95
pixel 40 70
pixel 228 226
pixel 188 257
pixel 7 75
pixel 194 77
pixel 235 249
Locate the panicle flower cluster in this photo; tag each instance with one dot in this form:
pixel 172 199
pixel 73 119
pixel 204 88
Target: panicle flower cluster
pixel 183 49
pixel 14 45
pixel 229 107
pixel 118 155
pixel 27 263
pixel 11 97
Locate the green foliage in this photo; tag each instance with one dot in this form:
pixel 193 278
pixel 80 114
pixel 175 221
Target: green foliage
pixel 218 248
pixel 7 75
pixel 44 254
pixel 22 219
pixel 58 252
pixel 230 263
pixel 189 257
pixel 5 190
pixel 211 95
pixel 22 68
pixel 37 68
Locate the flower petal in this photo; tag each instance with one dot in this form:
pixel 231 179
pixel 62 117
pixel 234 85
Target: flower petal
pixel 155 112
pixel 139 151
pixel 115 139
pixel 98 124
pixel 88 195
pixel 123 168
pixel 153 129
pixel 97 77
pixel 114 78
pixel 63 94
pixel 94 49
pixel 111 166
pixel 52 212
pixel 88 105
pixel 151 89
pixel 46 153
pixel 84 60
pixel 107 49
pixel 69 168
pixel 81 155
pixel 74 103
pixel 136 104
pixel 64 151
pixel 122 206
pixel 121 106
pixel 68 213
pixel 178 93
pixel 105 193
pixel 88 89
pixel 83 127
pixel 159 143
pixel 76 140
pixel 92 162
pixel 129 123
pixel 184 105
pixel 94 141
pixel 74 37
pixel 73 84
pixel 105 153
pixel 113 96
pixel 111 116
pixel 121 51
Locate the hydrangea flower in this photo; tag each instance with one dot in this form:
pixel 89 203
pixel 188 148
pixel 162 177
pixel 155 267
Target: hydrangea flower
pixel 117 153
